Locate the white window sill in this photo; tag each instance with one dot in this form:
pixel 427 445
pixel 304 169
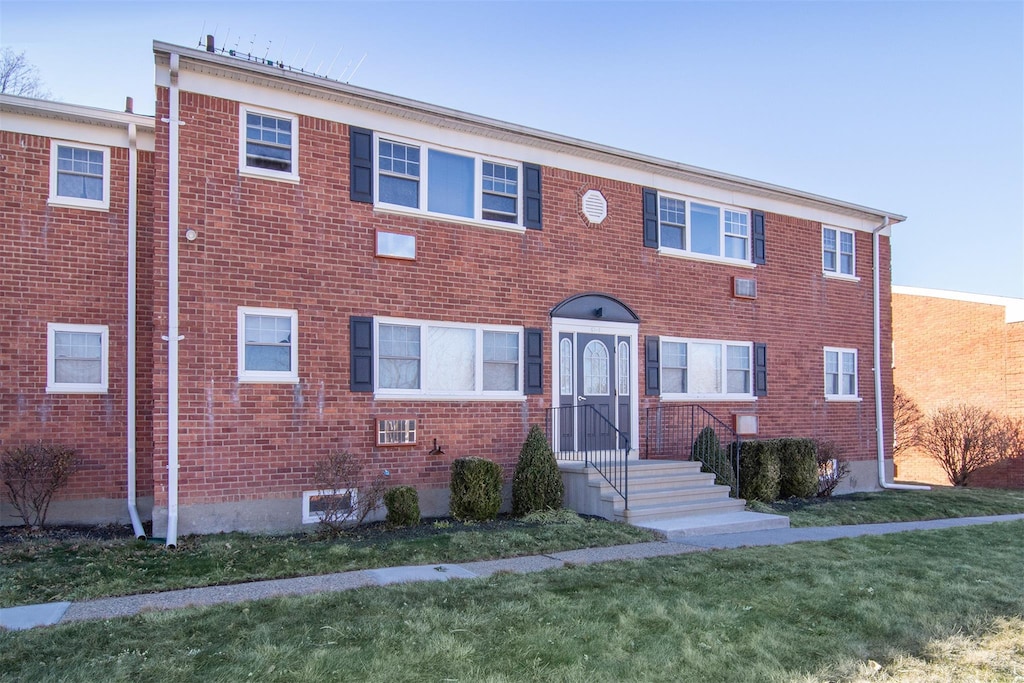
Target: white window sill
pixel 406 396
pixel 268 380
pixel 708 398
pixel 840 276
pixel 74 203
pixel 843 399
pixel 706 258
pixel 416 213
pixel 76 389
pixel 247 172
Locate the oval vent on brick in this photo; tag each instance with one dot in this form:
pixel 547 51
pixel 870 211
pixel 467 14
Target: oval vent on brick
pixel 595 206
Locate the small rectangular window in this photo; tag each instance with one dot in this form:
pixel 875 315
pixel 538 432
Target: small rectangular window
pixel 77 358
pixel 318 504
pixel 501 361
pixel 841 374
pixel 269 144
pixel 396 432
pixel 399 174
pixel 79 175
pixel 707 369
pixel 673 223
pixel 267 345
pixel 396 245
pixel 399 357
pixel 837 252
pixel 500 192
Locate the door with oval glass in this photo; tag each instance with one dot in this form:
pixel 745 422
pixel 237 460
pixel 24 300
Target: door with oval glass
pixel 593 371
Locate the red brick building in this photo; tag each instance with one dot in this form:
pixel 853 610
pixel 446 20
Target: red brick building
pixel 332 268
pixel 982 338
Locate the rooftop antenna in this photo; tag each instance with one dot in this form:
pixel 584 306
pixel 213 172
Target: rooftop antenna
pixel 202 34
pixel 356 69
pixel 342 74
pixel 269 43
pixel 332 63
pixel 308 55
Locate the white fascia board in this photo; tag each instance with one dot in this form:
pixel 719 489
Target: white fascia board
pixel 70 122
pixel 1014 307
pixel 261 85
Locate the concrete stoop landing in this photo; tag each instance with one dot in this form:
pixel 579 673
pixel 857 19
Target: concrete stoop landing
pixel 670 496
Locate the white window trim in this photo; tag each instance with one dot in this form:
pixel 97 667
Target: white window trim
pixel 836 274
pixel 478 162
pixel 675 396
pixel 698 256
pixel 386 254
pixel 254 171
pixel 841 397
pixel 478 394
pixel 54 387
pixel 316 517
pixel 77 202
pixel 265 376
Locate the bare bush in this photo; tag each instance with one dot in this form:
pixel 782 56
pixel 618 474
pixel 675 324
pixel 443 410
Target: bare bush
pixel 832 467
pixel 965 438
pixel 32 474
pixel 346 497
pixel 908 421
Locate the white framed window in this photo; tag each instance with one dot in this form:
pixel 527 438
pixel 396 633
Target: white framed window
pixel 268 345
pixel 316 504
pixel 77 359
pixel 396 245
pixel 687 227
pixel 841 374
pixel 423 178
pixel 838 256
pixel 415 358
pixel 565 358
pixel 79 175
pixel 268 144
pixel 706 369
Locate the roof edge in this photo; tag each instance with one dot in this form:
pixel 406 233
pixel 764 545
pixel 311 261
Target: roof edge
pixel 75 112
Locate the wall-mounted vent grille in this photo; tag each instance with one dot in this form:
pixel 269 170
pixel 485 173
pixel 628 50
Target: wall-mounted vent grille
pixel 396 432
pixel 595 206
pixel 744 288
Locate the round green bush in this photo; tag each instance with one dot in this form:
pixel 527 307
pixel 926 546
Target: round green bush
pixel 475 489
pixel 798 465
pixel 759 471
pixel 537 483
pixel 403 503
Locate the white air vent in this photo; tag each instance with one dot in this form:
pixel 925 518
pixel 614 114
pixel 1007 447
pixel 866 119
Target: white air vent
pixel 595 206
pixel 744 288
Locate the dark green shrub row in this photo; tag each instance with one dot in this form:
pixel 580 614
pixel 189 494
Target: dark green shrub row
pixel 778 468
pixel 475 489
pixel 403 503
pixel 537 483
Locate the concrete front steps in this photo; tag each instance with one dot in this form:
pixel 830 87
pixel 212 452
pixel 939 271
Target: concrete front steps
pixel 670 496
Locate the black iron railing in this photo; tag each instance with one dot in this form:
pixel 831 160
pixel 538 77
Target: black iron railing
pixel 689 432
pixel 582 434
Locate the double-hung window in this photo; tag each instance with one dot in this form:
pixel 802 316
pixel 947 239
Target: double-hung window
pixel 79 175
pixel 837 252
pixel 268 345
pixel 76 358
pixel 690 227
pixel 444 182
pixel 840 374
pixel 269 144
pixel 693 368
pixel 444 360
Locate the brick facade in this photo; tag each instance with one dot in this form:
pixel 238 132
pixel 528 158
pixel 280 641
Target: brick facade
pixel 953 348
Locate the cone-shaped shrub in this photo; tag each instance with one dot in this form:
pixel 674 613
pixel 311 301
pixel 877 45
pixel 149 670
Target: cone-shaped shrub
pixel 475 489
pixel 537 483
pixel 403 503
pixel 708 449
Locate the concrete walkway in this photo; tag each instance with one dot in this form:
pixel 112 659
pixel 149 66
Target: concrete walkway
pixel 30 616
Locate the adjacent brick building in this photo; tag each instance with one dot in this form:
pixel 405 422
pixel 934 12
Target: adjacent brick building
pixel 952 348
pixel 330 267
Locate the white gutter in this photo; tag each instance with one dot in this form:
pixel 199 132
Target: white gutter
pixel 133 194
pixel 879 419
pixel 172 337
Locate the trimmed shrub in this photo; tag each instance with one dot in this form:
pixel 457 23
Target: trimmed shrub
pixel 475 489
pixel 537 483
pixel 708 450
pixel 403 503
pixel 32 474
pixel 759 471
pixel 798 468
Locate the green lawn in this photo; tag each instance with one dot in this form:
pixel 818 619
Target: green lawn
pixel 808 612
pixel 35 571
pixel 896 506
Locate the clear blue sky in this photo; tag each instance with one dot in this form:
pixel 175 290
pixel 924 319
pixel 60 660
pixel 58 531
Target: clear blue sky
pixel 911 107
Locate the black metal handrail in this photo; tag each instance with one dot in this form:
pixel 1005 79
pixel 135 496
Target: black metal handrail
pixel 690 432
pixel 581 433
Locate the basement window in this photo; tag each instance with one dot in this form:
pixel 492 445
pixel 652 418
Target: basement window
pixel 318 504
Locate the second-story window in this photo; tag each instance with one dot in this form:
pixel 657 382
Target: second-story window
pixel 269 144
pixel 837 252
pixel 689 227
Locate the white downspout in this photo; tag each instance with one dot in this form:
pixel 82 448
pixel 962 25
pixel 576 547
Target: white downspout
pixel 879 419
pixel 133 195
pixel 172 310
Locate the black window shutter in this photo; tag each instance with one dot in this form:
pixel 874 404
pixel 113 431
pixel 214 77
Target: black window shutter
pixel 757 244
pixel 361 348
pixel 650 218
pixel 531 197
pixel 652 346
pixel 361 175
pixel 534 362
pixel 760 369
